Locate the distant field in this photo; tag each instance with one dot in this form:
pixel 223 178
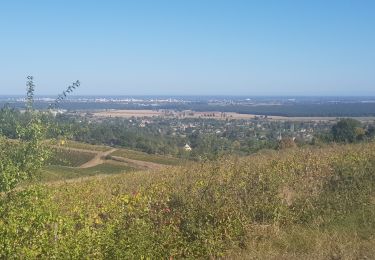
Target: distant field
pixel 140 156
pixel 57 172
pixel 71 158
pixel 160 113
pixel 129 113
pixel 215 115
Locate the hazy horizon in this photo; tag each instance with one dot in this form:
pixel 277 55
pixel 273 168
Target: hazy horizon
pixel 199 48
pixel 204 97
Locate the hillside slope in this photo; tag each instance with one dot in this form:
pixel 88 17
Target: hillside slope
pixel 299 203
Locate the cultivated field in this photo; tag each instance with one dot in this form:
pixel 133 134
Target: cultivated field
pixel 70 157
pixel 128 113
pixel 77 160
pixel 210 114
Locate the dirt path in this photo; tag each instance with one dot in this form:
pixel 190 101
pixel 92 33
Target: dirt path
pixel 98 159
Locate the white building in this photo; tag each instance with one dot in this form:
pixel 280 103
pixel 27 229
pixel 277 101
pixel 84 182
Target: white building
pixel 187 147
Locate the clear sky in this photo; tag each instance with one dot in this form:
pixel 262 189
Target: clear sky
pixel 195 47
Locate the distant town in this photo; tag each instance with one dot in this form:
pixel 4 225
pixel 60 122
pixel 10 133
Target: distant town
pixel 261 106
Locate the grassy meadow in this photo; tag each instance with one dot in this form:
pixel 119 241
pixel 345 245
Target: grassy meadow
pixel 302 203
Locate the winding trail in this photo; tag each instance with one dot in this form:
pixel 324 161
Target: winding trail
pixel 98 159
pixel 102 157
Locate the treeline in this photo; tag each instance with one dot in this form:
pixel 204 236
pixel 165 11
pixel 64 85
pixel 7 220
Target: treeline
pixel 289 110
pixel 349 130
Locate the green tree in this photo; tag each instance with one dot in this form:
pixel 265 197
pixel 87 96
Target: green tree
pixel 347 130
pixel 22 156
pixel 28 153
pixel 370 132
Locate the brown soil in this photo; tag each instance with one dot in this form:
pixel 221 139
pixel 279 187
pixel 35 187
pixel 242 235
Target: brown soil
pixel 98 159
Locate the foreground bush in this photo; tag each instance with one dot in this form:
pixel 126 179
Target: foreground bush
pixel 312 203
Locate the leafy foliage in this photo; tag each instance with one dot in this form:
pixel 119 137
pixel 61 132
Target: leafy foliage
pixel 29 151
pixel 347 130
pixel 30 92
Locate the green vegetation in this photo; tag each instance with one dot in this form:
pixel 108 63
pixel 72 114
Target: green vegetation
pixel 298 203
pixel 23 149
pixel 349 130
pixel 22 157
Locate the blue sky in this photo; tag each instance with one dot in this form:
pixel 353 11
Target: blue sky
pixel 196 47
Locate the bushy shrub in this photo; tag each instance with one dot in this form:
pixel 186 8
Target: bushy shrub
pixel 28 227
